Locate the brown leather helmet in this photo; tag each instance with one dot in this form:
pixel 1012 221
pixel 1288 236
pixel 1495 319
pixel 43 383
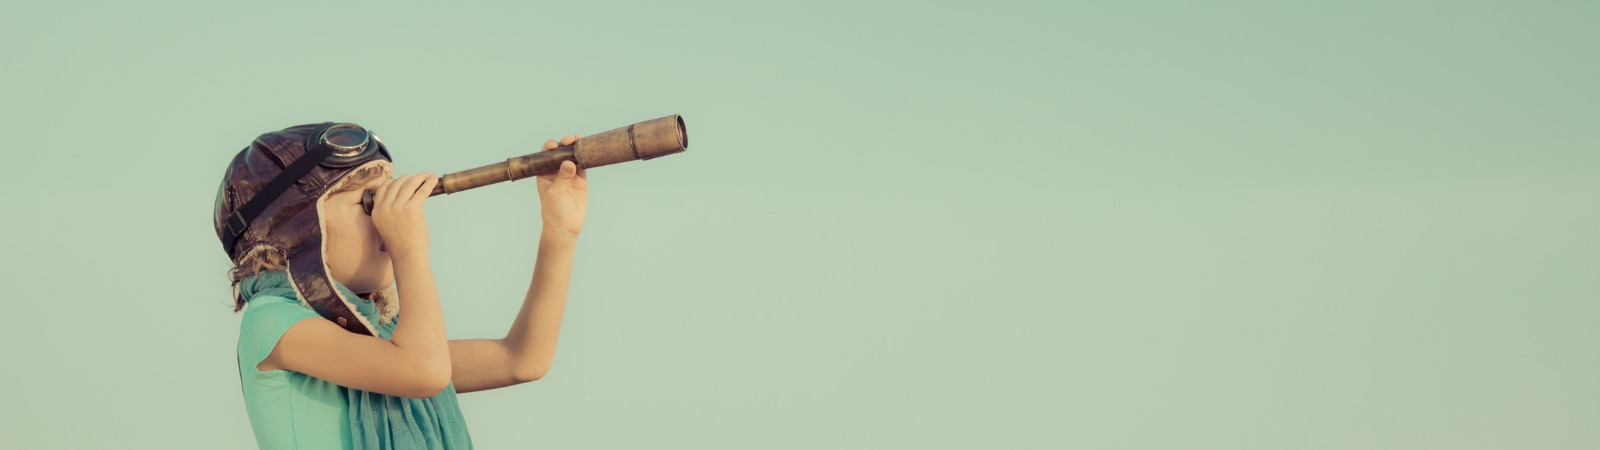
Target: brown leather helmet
pixel 271 200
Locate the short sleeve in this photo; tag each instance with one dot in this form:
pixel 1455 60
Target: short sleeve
pixel 264 322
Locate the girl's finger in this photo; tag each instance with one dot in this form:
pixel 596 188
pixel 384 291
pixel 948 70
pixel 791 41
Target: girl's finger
pixel 542 180
pixel 426 190
pixel 395 186
pixel 422 183
pixel 582 172
pixel 551 145
pixel 377 193
pixel 564 177
pixel 381 194
pixel 409 188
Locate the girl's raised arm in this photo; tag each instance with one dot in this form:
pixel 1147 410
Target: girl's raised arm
pixel 525 354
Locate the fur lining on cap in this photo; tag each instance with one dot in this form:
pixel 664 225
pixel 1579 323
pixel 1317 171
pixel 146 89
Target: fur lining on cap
pixel 388 301
pixel 389 308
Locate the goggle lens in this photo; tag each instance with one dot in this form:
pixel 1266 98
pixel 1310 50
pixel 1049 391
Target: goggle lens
pixel 349 144
pixel 349 138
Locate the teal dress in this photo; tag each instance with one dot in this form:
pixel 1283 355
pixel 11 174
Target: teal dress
pixel 292 410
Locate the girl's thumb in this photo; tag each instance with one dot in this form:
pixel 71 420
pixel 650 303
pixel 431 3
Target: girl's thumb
pixel 565 175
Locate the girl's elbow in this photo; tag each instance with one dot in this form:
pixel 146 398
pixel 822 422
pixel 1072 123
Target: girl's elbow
pixel 426 387
pixel 526 374
pixel 428 381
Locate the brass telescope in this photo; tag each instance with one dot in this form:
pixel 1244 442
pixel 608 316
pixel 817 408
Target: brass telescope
pixel 644 140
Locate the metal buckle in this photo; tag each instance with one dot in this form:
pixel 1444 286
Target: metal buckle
pixel 236 224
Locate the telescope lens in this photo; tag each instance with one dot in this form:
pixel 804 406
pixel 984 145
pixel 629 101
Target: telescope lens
pixel 683 134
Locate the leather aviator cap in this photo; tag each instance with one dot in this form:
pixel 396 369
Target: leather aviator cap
pixel 292 223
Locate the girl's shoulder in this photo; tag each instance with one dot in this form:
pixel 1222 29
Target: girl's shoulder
pixel 265 320
pixel 273 304
pixel 265 313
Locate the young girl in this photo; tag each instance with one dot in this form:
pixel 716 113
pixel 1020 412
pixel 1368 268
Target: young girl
pixel 325 361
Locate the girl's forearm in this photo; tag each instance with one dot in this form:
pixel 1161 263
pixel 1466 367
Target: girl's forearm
pixel 531 343
pixel 421 335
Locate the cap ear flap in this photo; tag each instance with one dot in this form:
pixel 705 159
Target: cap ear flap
pixel 308 274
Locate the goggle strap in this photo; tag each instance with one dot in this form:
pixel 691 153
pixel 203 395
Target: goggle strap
pixel 240 219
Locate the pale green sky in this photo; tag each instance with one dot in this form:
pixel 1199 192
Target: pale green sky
pixel 1137 225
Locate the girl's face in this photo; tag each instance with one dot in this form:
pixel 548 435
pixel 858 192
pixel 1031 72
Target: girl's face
pixel 356 255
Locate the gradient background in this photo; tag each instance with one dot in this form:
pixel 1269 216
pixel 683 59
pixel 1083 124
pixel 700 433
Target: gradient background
pixel 899 225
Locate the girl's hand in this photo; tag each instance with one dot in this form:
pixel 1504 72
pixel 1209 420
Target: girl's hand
pixel 397 213
pixel 564 195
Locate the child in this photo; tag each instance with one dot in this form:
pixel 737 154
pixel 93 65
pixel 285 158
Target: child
pixel 325 360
